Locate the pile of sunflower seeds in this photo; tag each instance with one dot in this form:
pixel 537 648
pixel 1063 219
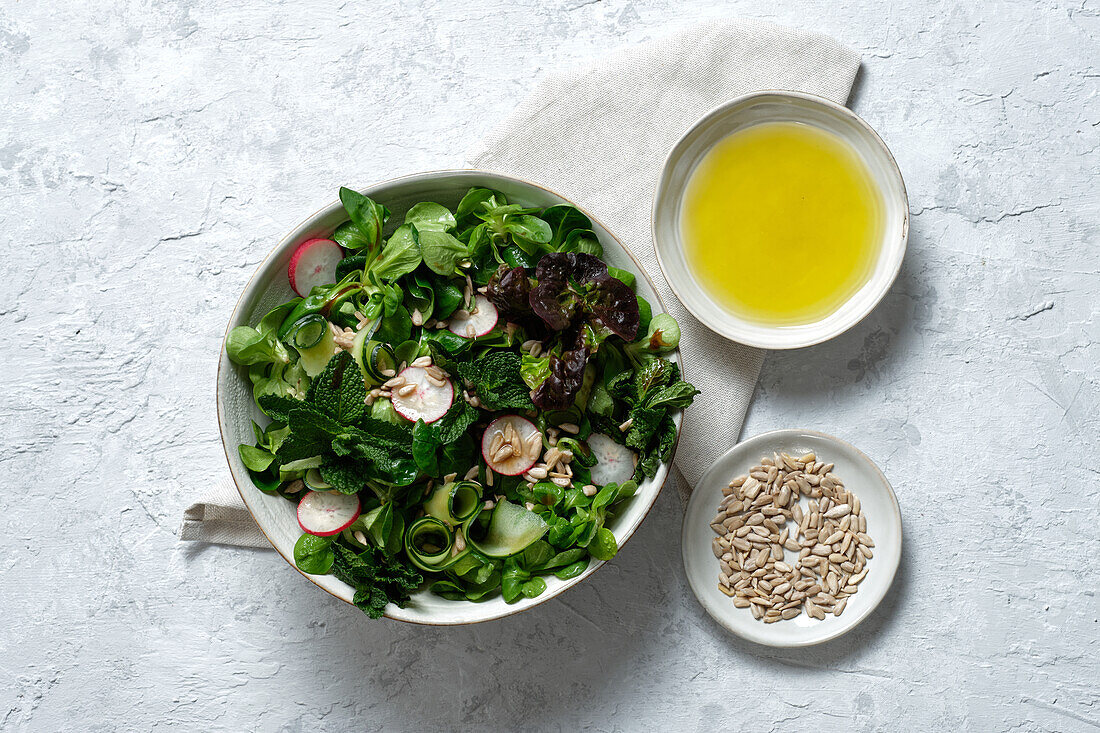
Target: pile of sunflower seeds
pixel 761 515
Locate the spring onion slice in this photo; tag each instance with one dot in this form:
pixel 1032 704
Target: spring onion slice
pixel 511 529
pixel 455 502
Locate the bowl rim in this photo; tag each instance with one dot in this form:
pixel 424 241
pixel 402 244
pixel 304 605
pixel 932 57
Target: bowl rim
pixel 284 241
pixel 660 191
pixel 687 532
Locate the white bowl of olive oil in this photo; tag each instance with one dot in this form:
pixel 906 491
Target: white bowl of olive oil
pixel 780 220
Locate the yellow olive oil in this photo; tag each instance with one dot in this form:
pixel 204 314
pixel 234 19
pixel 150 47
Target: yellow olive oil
pixel 781 223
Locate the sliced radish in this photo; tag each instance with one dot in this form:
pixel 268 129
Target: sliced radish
pixel 513 438
pixel 428 402
pixel 314 263
pixel 325 514
pixel 614 463
pixel 479 322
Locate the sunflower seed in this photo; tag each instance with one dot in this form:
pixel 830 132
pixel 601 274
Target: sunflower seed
pixel 752 521
pixel 733 505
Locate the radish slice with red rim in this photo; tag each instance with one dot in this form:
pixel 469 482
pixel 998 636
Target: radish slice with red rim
pixel 314 263
pixel 325 514
pixel 518 434
pixel 478 322
pixel 614 462
pixel 427 402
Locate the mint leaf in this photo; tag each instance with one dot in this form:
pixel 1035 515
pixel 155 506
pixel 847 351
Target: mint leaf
pixel 386 435
pixel 339 390
pixel 377 580
pixel 277 406
pixel 386 463
pixel 496 378
pixel 346 475
pixel 454 424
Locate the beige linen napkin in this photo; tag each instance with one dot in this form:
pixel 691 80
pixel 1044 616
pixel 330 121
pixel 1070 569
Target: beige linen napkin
pixel 599 137
pixel 221 517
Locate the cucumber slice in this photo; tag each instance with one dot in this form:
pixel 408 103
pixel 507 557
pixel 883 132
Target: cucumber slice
pixel 374 358
pixel 314 358
pixel 313 480
pixel 455 502
pixel 428 543
pixel 511 529
pixel 302 464
pixel 308 331
pixel 433 547
pixel 381 359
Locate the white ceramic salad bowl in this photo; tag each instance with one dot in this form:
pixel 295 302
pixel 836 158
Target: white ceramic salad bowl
pixel 269 287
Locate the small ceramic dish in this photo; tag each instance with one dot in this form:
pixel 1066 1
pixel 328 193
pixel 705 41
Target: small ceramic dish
pixel 860 476
pixel 739 114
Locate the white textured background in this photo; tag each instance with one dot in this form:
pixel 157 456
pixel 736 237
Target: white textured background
pixel 151 153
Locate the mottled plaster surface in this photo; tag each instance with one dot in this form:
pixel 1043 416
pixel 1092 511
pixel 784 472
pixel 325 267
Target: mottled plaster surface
pixel 151 153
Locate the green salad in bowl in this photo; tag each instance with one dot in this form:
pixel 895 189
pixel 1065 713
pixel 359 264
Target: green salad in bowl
pixel 459 400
